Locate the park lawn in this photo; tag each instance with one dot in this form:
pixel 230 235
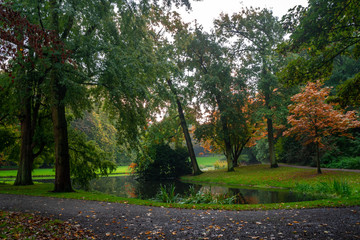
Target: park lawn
pixel 41 172
pixel 263 176
pixel 208 161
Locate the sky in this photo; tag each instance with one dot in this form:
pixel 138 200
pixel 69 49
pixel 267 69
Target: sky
pixel 207 10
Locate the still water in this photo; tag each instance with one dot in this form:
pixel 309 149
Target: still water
pixel 127 186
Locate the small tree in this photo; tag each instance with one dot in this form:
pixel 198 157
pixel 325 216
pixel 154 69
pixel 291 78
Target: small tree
pixel 313 119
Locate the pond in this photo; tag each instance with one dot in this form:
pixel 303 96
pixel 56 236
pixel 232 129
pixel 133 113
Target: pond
pixel 127 186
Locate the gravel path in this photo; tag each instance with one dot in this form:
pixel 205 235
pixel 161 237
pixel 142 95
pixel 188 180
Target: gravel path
pixel 118 221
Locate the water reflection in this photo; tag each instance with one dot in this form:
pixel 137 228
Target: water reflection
pixel 127 186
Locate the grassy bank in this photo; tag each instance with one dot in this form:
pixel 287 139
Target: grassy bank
pixel 283 177
pixel 258 176
pixel 50 172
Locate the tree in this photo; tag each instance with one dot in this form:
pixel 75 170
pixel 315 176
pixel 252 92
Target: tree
pixel 184 126
pixel 320 33
pixel 221 91
pixel 25 47
pixel 312 119
pixel 255 34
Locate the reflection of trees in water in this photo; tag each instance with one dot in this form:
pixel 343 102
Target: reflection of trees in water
pixel 149 189
pixel 127 186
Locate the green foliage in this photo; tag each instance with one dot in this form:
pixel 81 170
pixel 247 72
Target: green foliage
pixel 86 159
pixel 160 161
pixel 336 187
pixel 97 127
pixel 289 150
pixel 9 147
pixel 167 194
pixel 345 163
pixel 342 152
pixel 321 33
pixel 261 150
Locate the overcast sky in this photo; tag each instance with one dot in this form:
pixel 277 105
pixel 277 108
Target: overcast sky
pixel 207 10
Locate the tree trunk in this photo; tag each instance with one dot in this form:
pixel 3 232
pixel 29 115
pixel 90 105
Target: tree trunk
pixel 318 158
pixel 62 157
pixel 270 129
pixel 23 176
pixel 228 148
pixel 227 142
pixel 195 166
pixel 196 169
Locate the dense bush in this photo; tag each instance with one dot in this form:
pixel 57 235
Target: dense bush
pixel 160 161
pixel 288 150
pixel 345 162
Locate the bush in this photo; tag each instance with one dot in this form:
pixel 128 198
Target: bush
pixel 160 161
pixel 220 164
pixel 345 162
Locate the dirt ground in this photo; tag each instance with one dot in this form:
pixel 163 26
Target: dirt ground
pixel 124 221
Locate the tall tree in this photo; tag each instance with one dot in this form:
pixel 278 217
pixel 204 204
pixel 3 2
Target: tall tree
pixel 184 126
pixel 24 55
pixel 90 31
pixel 256 33
pixel 313 119
pixel 320 33
pixel 220 91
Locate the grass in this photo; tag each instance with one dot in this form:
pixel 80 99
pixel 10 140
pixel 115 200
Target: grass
pixel 256 176
pixel 205 162
pixel 264 177
pixel 47 172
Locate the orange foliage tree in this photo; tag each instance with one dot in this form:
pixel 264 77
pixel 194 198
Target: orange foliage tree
pixel 312 119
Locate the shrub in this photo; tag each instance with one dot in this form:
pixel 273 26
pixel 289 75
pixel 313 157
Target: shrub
pixel 219 164
pixel 160 161
pixel 345 162
pixel 167 195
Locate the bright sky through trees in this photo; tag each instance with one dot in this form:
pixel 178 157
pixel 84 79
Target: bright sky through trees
pixel 207 10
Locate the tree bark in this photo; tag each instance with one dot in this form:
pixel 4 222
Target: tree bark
pixel 318 158
pixel 227 142
pixel 62 156
pixel 195 166
pixel 58 92
pixel 23 176
pixel 270 129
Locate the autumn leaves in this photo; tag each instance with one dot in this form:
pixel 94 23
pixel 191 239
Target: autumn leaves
pixel 313 119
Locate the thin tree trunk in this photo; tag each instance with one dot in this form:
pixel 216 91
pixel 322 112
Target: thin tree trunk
pixel 23 176
pixel 270 129
pixel 195 166
pixel 318 158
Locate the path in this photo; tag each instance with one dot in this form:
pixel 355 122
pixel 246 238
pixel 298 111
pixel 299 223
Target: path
pixel 117 221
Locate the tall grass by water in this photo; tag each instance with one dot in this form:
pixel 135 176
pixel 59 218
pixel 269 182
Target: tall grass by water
pixel 339 187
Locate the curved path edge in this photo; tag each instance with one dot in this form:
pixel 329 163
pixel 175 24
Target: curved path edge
pixel 117 220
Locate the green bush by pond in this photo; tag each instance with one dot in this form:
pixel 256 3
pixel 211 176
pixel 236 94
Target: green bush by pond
pixel 160 161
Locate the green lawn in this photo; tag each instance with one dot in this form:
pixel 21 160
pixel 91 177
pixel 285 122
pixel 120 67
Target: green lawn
pixel 282 177
pixel 208 161
pixel 41 172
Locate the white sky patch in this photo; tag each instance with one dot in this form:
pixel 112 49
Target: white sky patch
pixel 206 11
